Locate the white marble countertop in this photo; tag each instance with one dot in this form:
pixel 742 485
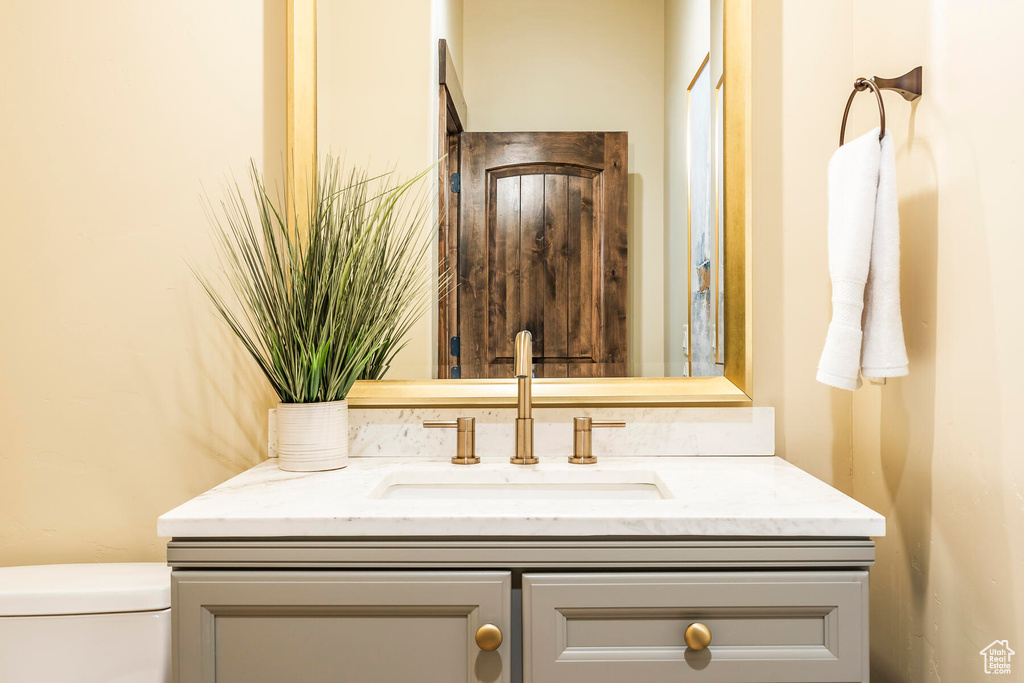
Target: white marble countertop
pixel 691 496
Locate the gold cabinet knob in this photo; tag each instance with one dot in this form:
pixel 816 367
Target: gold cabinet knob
pixel 488 637
pixel 697 636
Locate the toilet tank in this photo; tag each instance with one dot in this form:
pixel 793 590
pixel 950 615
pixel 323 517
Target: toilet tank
pixel 87 623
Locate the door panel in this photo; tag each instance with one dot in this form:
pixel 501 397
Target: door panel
pixel 584 244
pixel 503 268
pixel 329 626
pixel 545 269
pixel 542 246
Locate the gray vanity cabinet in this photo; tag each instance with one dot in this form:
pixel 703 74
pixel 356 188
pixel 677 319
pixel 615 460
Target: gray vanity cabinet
pixel 766 627
pixel 338 626
pixel 570 610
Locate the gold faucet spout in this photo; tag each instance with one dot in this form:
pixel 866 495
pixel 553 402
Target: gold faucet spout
pixel 523 371
pixel 524 402
pixel 523 355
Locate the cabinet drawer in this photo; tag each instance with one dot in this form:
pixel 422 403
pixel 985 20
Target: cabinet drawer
pixel 765 626
pixel 330 626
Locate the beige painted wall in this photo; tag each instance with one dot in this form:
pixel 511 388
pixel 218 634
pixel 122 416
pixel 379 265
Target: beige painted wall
pixel 939 452
pixel 447 18
pixel 794 134
pixel 618 55
pixel 360 46
pixel 121 395
pixel 935 452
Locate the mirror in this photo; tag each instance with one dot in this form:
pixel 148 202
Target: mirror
pixel 592 183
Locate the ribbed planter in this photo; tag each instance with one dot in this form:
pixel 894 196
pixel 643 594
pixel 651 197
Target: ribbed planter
pixel 309 437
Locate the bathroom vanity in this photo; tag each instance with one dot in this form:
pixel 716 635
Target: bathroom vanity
pixel 401 569
pixel 628 570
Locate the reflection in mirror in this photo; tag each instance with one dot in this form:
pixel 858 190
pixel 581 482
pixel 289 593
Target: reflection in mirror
pixel 615 274
pixel 580 189
pixel 698 142
pixel 719 254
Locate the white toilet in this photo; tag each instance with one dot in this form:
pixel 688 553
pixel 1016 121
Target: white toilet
pixel 85 623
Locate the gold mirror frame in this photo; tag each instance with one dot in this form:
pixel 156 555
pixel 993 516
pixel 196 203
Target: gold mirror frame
pixel 734 389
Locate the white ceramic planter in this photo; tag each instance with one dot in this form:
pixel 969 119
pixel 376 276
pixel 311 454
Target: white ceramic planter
pixel 309 437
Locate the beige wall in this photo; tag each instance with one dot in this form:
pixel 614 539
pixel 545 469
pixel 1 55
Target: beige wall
pixel 795 130
pixel 360 47
pixel 121 395
pixel 939 452
pixel 447 18
pixel 935 452
pixel 609 76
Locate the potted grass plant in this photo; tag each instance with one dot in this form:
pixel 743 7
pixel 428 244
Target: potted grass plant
pixel 321 305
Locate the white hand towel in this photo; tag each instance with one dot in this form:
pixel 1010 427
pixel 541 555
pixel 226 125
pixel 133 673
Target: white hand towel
pixel 884 352
pixel 852 191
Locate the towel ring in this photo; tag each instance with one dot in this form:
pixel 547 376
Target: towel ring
pixel 860 85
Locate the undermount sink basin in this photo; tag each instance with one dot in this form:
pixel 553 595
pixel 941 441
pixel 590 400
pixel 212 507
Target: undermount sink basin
pixel 524 485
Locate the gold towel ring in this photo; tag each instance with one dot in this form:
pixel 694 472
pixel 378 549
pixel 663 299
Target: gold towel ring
pixel 860 85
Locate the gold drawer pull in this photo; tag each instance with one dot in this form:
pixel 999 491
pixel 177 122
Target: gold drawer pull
pixel 697 636
pixel 488 637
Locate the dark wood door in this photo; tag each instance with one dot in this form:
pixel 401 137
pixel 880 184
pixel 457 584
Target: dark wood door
pixel 542 247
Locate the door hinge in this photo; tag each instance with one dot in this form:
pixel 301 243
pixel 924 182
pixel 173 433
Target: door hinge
pixel 456 183
pixel 454 347
pixel 456 372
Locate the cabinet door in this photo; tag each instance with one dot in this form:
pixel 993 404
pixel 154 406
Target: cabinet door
pixel 342 627
pixel 766 627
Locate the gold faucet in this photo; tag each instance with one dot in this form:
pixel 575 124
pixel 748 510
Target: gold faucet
pixel 524 404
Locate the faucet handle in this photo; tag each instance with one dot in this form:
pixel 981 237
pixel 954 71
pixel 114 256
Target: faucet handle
pixel 582 444
pixel 465 446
